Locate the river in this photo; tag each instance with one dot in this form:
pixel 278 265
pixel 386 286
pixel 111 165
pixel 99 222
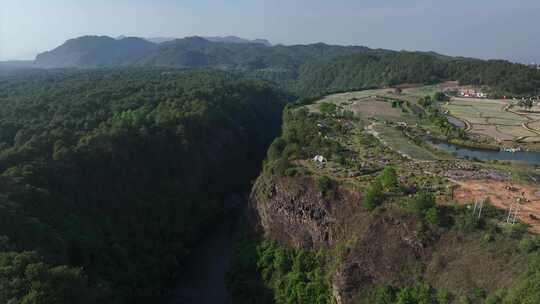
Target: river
pixel 532 158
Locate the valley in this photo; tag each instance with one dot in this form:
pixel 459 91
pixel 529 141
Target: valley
pixel 269 152
pixel 372 178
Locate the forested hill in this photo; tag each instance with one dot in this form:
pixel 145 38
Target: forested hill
pixel 305 70
pixel 108 176
pixel 391 68
pixel 190 52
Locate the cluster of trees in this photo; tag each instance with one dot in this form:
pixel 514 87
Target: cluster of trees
pixel 279 275
pixel 435 117
pixel 26 278
pixel 423 205
pixel 526 104
pixel 421 293
pixel 301 138
pixel 387 181
pixel 107 177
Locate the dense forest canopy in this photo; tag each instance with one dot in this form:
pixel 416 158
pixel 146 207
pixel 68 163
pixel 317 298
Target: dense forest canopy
pixel 391 68
pixel 108 176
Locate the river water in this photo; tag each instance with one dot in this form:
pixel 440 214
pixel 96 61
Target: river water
pixel 532 158
pixel 456 122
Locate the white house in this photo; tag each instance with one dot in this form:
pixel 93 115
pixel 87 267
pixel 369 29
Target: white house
pixel 402 124
pixel 319 159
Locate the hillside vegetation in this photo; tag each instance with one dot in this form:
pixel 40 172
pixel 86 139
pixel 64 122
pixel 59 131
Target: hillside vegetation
pixel 108 176
pixel 362 70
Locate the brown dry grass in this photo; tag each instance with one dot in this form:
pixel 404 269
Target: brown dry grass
pixel 376 108
pixel 491 131
pixel 498 194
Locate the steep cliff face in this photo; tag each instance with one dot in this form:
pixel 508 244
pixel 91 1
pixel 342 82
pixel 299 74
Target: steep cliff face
pixel 293 211
pixel 374 248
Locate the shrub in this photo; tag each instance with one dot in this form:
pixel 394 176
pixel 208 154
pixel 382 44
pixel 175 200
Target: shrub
pixel 323 184
pixel 383 295
pixel 515 231
pixel 276 148
pixel 340 159
pixel 292 150
pixel 373 195
pixel 432 216
pixel 443 297
pixel 440 96
pixel 280 166
pixel 327 108
pixel 422 293
pixel 389 178
pixel 291 171
pixel 466 223
pixel 421 203
pixel 529 244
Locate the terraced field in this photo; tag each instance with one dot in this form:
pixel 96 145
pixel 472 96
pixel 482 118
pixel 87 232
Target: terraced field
pixel 394 139
pixel 493 118
pixel 373 104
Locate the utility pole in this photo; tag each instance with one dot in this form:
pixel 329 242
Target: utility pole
pixel 478 206
pixel 513 213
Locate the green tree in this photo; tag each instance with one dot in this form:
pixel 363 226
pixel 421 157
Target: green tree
pixel 373 195
pixel 327 108
pixel 432 216
pixel 388 178
pixel 421 203
pixel 440 96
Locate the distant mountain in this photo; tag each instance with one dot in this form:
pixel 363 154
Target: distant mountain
pixel 159 39
pixel 220 52
pixel 234 39
pixel 226 39
pixel 197 52
pixel 95 51
pixel 307 70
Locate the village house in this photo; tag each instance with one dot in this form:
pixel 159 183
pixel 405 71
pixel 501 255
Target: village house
pixel 319 159
pixel 472 93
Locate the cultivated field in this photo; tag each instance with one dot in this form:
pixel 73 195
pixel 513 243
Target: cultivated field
pixel 396 141
pixel 375 108
pixel 495 119
pixel 374 104
pixel 424 166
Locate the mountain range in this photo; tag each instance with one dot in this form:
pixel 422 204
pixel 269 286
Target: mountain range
pixel 226 52
pixel 306 70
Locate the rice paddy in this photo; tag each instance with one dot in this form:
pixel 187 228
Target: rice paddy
pixel 492 118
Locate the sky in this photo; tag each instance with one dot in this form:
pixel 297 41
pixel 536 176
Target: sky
pixel 500 29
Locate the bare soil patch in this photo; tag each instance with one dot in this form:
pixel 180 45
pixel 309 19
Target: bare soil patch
pixel 376 108
pixel 503 194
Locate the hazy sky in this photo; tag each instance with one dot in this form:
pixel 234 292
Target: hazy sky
pixel 508 29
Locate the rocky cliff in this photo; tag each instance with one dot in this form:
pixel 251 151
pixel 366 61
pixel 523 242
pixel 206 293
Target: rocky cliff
pixel 388 246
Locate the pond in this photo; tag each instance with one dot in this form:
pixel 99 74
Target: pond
pixel 532 158
pixel 456 122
